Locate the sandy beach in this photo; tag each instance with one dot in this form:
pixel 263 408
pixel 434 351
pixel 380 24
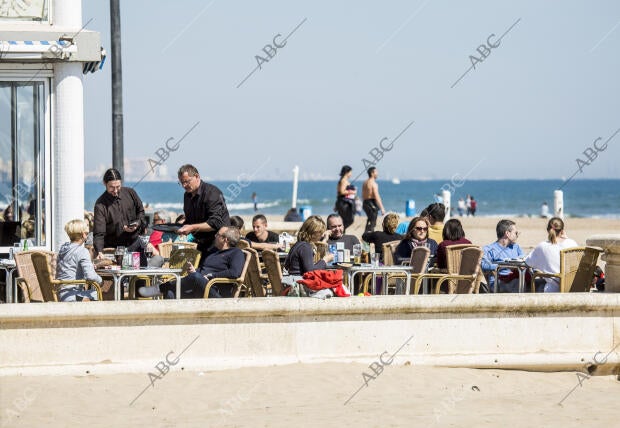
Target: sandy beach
pixel 311 395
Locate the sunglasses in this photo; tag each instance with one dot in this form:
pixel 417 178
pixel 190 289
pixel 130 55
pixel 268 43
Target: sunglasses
pixel 420 229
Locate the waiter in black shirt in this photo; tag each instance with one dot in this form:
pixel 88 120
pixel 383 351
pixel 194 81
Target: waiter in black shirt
pixel 204 206
pixel 119 216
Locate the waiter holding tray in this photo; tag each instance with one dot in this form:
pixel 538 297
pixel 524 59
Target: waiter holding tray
pixel 204 207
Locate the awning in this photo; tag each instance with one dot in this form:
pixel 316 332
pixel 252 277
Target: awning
pixel 36 49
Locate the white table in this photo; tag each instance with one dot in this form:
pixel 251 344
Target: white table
pixel 351 271
pixel 118 275
pixel 9 267
pixel 512 264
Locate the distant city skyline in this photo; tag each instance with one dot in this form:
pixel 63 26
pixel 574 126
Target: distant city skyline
pixel 483 89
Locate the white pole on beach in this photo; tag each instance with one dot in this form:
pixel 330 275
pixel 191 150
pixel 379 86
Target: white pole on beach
pixel 558 203
pixel 295 181
pixel 446 201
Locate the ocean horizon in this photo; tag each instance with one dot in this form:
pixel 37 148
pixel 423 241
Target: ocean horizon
pixel 592 198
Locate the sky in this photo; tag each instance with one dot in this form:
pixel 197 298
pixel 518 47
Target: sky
pixel 353 76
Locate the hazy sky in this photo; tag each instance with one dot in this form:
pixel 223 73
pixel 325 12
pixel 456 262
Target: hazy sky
pixel 356 72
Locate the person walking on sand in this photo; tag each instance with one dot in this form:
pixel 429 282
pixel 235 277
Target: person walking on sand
pixel 255 201
pixel 345 197
pixel 461 207
pixel 544 210
pixel 372 201
pixel 473 205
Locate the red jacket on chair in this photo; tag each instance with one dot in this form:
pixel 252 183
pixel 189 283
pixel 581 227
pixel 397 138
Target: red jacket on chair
pixel 320 279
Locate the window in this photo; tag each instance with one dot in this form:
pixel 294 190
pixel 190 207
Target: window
pixel 22 161
pixel 24 10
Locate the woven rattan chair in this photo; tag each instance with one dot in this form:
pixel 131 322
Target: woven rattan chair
pixel 577 266
pixel 453 261
pixel 467 276
pixel 274 271
pixel 254 278
pixel 49 285
pixel 243 244
pixel 419 265
pixel 180 245
pixel 27 280
pixel 388 250
pixel 165 249
pixel 239 284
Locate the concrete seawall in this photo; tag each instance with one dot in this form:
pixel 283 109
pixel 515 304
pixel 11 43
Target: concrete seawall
pixel 533 332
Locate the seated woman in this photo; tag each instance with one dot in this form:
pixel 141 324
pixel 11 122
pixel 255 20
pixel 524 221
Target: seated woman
pixel 453 234
pixel 301 256
pixel 546 256
pixel 416 236
pixel 390 223
pixel 74 263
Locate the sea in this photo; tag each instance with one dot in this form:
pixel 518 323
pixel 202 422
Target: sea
pixel 505 198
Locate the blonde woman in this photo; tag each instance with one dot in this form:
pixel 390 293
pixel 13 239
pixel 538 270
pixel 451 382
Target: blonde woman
pixel 546 256
pixel 300 259
pixel 74 263
pixel 388 234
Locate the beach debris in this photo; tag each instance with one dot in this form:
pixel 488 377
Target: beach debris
pixel 475 388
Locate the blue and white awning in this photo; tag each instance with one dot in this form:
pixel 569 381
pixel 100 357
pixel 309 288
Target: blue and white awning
pixel 36 49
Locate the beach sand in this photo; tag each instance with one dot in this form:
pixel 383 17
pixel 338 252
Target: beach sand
pixel 309 395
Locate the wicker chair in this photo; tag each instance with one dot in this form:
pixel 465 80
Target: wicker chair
pixel 467 276
pixel 453 261
pixel 50 286
pixel 254 277
pixel 181 245
pixel 577 266
pixel 27 280
pixel 243 244
pixel 419 265
pixel 274 271
pixel 239 284
pixel 388 252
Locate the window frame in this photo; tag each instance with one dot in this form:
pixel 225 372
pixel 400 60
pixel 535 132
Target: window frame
pixel 43 154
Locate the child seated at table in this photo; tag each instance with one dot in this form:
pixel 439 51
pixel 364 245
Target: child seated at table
pixel 74 263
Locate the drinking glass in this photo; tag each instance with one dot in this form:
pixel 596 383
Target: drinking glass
pixel 375 259
pixel 357 253
pixel 145 240
pixel 148 251
pixel 119 253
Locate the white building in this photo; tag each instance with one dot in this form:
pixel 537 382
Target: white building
pixel 45 52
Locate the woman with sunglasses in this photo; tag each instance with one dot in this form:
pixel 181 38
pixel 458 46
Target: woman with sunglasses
pixel 416 236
